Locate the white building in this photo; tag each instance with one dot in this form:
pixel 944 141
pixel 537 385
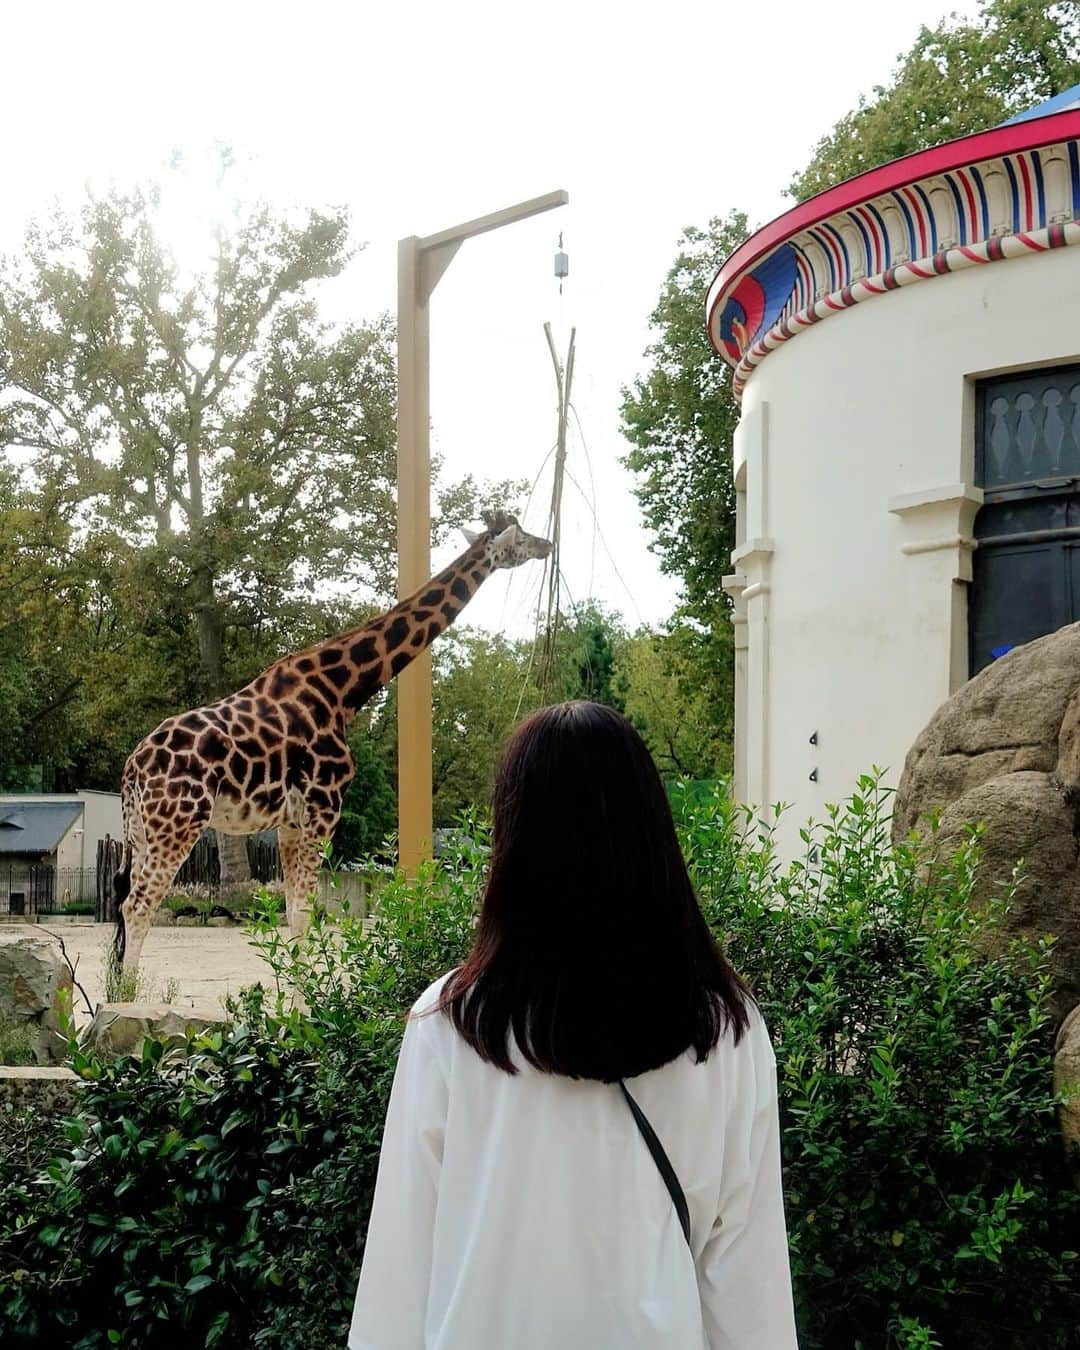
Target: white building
pixel 907 464
pixel 49 846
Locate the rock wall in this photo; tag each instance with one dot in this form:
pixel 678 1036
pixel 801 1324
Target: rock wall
pixel 1005 750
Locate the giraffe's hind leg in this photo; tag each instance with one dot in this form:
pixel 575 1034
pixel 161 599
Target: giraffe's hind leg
pixel 300 857
pixel 163 847
pixel 301 849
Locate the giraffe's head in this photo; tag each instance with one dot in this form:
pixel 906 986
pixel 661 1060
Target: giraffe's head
pixel 505 543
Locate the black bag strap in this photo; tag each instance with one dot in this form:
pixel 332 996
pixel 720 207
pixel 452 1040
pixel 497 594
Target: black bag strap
pixel 656 1148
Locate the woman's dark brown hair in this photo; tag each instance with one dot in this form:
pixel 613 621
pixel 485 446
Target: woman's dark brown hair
pixel 591 948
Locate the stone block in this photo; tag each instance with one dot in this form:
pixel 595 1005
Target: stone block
pixel 41 1088
pixel 120 1028
pixel 33 975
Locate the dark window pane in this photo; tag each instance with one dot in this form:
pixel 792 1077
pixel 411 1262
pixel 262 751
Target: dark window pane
pixel 1018 594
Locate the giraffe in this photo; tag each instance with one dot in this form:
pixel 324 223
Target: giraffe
pixel 274 753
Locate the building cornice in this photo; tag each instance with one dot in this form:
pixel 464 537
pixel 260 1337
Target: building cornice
pixel 1004 193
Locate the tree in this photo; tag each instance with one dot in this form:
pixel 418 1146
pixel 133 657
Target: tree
pixel 685 720
pixel 235 446
pixel 680 418
pixel 959 77
pixel 588 644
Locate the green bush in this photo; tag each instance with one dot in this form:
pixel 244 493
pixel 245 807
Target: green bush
pixel 927 1196
pixel 16 1041
pixel 221 1201
pixel 79 907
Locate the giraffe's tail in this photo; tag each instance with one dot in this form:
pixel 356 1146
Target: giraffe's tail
pixel 122 875
pixel 121 891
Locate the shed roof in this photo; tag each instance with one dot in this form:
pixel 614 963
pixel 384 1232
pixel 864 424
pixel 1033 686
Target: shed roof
pixel 35 827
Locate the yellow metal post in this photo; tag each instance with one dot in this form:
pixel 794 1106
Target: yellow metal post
pixel 421 262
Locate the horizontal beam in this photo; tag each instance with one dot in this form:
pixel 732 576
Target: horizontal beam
pixel 533 207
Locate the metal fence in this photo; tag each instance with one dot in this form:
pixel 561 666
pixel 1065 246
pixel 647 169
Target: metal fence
pixel 37 888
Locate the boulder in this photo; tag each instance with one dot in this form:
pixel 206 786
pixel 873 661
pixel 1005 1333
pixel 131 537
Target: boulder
pixel 120 1028
pixel 1067 1079
pixel 1004 750
pixel 32 976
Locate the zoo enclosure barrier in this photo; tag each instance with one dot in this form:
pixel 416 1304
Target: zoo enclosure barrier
pixel 200 871
pixel 38 888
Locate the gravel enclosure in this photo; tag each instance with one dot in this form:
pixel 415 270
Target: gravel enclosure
pixel 206 963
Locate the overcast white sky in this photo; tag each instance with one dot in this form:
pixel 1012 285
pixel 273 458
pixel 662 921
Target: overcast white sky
pixel 417 116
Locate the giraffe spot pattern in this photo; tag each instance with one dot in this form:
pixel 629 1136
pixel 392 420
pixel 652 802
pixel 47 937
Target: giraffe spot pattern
pixel 397 633
pixel 363 651
pixel 365 685
pixel 213 747
pixel 460 590
pixel 298 765
pixel 399 662
pixel 284 682
pixel 329 746
pixel 433 597
pixel 320 713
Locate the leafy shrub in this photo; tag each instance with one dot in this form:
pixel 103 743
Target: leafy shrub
pixel 16 1041
pixel 926 1190
pixel 79 907
pixel 221 1201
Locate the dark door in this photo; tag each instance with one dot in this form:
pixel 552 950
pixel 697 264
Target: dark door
pixel 1026 568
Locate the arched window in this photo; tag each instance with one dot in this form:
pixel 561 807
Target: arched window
pixel 1026 569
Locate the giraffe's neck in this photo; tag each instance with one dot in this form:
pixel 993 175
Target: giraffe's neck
pixel 380 649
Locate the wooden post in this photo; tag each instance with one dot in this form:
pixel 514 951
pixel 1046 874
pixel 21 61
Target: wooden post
pixel 414 554
pixel 421 262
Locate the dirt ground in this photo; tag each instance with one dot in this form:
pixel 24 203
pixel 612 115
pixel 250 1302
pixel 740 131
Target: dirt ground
pixel 206 963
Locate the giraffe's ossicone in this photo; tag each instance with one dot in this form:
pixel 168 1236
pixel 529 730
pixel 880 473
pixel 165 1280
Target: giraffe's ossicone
pixel 274 753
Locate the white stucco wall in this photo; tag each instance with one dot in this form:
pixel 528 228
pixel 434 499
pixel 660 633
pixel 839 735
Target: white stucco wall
pixel 849 636
pixel 101 817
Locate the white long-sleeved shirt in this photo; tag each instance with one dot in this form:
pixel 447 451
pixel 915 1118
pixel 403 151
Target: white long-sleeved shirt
pixel 525 1212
